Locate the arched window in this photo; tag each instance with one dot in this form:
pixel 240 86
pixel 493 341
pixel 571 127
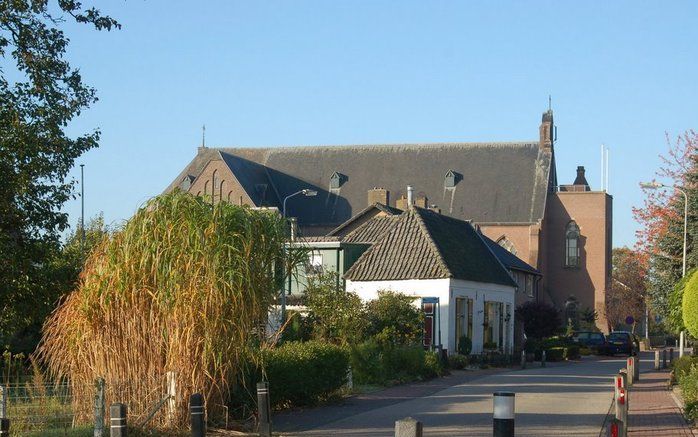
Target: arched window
pixel 508 245
pixel 572 245
pixel 206 187
pixel 220 190
pixel 214 185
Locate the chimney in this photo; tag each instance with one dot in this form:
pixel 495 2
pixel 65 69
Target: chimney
pixel 421 200
pixel 546 130
pixel 410 196
pixel 401 203
pixel 435 208
pixel 378 195
pixel 581 180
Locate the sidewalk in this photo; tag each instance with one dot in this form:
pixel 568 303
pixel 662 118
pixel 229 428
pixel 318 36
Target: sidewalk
pixel 653 411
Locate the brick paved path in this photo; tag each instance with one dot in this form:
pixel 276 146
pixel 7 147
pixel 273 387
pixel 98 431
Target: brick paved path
pixel 653 411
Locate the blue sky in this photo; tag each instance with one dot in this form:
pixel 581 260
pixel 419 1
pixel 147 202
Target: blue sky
pixel 262 73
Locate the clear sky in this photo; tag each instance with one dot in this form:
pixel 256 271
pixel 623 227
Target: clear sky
pixel 262 73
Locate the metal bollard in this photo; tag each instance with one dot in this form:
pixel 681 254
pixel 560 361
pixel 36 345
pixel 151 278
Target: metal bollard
pixel 4 427
pixel 408 427
pixel 671 356
pixel 523 359
pixel 663 358
pixel 117 420
pixel 264 408
pixel 542 359
pixel 615 428
pixel 503 416
pixel 656 360
pixel 198 415
pixel 631 371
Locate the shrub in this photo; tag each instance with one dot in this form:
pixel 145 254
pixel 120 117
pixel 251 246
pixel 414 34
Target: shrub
pixel 682 366
pixel 336 316
pixel 457 361
pixel 555 354
pixel 374 363
pixel 304 373
pixel 571 352
pixel 489 345
pixel 393 318
pixel 674 318
pixel 539 319
pixel 465 345
pixel 298 328
pixel 689 391
pixel 690 305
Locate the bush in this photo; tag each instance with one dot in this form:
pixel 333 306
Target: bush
pixel 457 361
pixel 298 328
pixel 539 319
pixel 682 366
pixel 465 345
pixel 689 391
pixel 374 363
pixel 571 352
pixel 690 305
pixel 336 315
pixel 392 318
pixel 555 354
pixel 304 373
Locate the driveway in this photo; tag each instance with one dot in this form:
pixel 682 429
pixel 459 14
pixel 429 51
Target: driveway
pixel 567 399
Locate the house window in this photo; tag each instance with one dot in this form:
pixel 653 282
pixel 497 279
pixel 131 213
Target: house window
pixel 508 245
pixel 464 318
pixel 572 245
pixel 529 285
pixel 429 313
pixel 314 265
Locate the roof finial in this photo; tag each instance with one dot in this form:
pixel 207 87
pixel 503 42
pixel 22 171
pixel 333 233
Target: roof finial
pixel 203 136
pixel 550 103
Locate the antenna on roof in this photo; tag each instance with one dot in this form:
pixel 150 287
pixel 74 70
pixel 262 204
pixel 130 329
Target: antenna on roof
pixel 550 103
pixel 203 136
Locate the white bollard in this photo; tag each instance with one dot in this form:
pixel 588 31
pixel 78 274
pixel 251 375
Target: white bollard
pixel 504 411
pixel 408 427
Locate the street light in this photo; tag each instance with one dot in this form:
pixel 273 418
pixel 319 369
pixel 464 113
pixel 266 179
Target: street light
pixel 654 185
pixel 307 192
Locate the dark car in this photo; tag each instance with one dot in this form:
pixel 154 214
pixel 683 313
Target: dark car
pixel 622 342
pixel 590 339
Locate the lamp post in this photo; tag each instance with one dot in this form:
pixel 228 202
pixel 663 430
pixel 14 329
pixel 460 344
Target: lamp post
pixel 655 186
pixel 307 192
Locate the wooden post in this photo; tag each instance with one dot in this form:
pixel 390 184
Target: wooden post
pixel 3 402
pixel 172 397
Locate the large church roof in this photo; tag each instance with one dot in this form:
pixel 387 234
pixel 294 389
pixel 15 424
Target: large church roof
pixel 483 182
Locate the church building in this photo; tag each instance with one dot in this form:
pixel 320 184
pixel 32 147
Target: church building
pixel 509 191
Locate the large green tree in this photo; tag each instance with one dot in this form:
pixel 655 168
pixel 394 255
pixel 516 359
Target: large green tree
pixel 40 93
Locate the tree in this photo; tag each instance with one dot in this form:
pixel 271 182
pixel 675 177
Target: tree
pixel 690 305
pixel 40 93
pixel 539 319
pixel 660 238
pixel 628 291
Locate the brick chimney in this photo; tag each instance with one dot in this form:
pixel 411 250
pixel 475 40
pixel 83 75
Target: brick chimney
pixel 546 130
pixel 378 195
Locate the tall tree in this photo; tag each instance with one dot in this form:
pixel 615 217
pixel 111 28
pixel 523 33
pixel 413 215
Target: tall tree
pixel 661 218
pixel 40 93
pixel 628 292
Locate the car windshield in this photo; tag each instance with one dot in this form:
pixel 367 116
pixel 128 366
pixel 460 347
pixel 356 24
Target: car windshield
pixel 618 337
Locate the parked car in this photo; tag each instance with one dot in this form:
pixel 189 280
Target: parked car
pixel 622 342
pixel 595 341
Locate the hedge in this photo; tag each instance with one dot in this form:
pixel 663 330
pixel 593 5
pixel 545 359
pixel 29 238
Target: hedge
pixel 304 373
pixel 381 364
pixel 690 305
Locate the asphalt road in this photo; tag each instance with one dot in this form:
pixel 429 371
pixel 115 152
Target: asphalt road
pixel 559 400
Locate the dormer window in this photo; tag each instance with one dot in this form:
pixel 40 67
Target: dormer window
pixel 451 179
pixel 186 182
pixel 336 180
pixel 508 245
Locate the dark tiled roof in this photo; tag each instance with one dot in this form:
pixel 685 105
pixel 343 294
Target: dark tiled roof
pixel 318 239
pixel 423 244
pixel 499 182
pixel 507 258
pixel 366 214
pixel 371 231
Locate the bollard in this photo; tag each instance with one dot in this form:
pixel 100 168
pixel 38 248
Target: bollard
pixel 615 428
pixel 99 408
pixel 630 371
pixel 264 408
pixel 408 427
pixel 671 356
pixel 682 341
pixel 621 405
pixel 198 415
pixel 542 359
pixel 663 358
pixel 3 402
pixel 117 422
pixel 503 417
pixel 4 427
pixel 523 359
pixel 656 360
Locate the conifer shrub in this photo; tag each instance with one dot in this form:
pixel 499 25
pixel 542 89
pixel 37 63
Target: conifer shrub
pixel 690 305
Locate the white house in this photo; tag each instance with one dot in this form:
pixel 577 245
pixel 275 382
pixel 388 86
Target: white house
pixel 463 288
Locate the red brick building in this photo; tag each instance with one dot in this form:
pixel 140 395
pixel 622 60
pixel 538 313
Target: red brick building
pixel 510 190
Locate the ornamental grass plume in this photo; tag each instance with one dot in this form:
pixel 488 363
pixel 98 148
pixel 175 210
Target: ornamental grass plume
pixel 184 287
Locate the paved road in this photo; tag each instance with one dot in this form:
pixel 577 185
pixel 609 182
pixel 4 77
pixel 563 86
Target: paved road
pixel 569 399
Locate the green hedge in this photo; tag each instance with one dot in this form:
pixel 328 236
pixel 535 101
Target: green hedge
pixel 689 388
pixel 690 305
pixel 304 373
pixel 682 366
pixel 374 363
